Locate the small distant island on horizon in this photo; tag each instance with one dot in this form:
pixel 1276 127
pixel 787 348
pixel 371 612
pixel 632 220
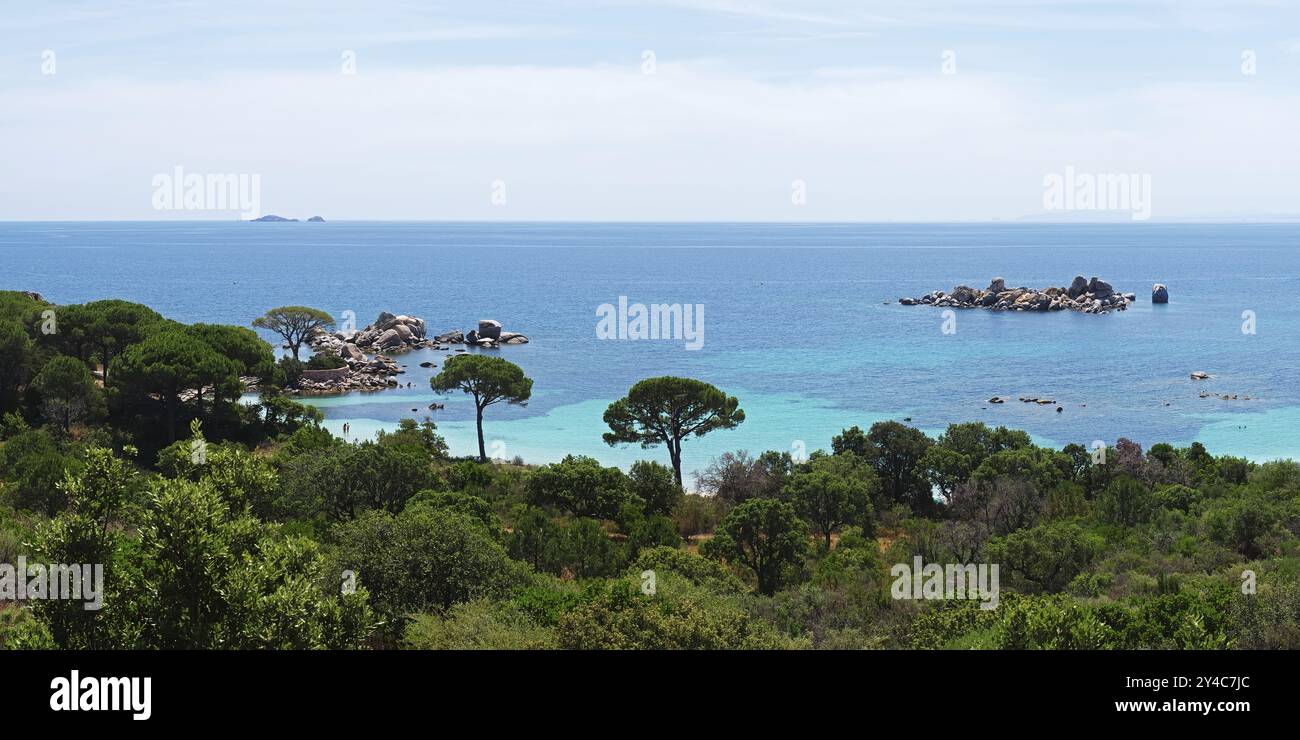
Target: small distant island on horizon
pixel 272 218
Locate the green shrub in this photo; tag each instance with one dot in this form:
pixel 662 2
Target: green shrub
pixel 19 630
pixel 700 571
pixel 622 618
pixel 323 361
pixel 478 625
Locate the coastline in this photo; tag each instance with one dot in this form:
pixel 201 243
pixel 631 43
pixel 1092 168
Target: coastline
pixel 799 314
pixel 770 425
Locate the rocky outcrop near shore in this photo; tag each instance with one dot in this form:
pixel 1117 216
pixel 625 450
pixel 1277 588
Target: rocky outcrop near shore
pixel 388 333
pixel 365 352
pixel 1083 295
pixel 398 333
pixel 1159 293
pixel 489 334
pixel 367 374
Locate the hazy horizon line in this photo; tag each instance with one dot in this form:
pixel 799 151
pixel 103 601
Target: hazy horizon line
pixel 1022 221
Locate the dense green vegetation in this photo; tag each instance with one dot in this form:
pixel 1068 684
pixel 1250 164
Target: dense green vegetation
pixel 225 525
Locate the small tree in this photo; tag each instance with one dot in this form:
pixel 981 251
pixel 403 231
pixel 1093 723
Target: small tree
pixel 166 365
pixel 666 410
pixel 33 469
pixel 1125 502
pixel 244 346
pixel 653 483
pixel 294 323
pixel 345 480
pixel 211 579
pixel 489 380
pixel 423 559
pixel 763 535
pixel 535 539
pixel 588 552
pixel 98 496
pixel 733 477
pixel 945 469
pixel 895 451
pixel 1048 556
pixel 831 493
pixel 115 325
pixel 67 390
pixel 15 362
pixel 1244 524
pixel 581 486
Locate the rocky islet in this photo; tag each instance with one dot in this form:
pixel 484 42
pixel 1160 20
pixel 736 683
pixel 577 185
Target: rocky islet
pixel 1095 296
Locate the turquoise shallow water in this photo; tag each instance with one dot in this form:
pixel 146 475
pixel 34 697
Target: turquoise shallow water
pixel 796 322
pixel 569 429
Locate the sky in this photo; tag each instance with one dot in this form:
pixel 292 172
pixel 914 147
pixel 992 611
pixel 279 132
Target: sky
pixel 626 110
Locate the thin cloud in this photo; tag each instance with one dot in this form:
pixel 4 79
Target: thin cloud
pixel 610 143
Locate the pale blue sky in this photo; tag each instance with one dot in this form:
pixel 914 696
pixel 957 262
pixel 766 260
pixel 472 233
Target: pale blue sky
pixel 551 98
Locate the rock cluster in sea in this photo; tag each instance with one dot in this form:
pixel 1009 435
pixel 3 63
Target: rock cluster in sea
pixel 1202 375
pixel 1083 295
pixel 388 333
pixel 365 351
pixel 367 367
pixel 369 374
pixel 489 334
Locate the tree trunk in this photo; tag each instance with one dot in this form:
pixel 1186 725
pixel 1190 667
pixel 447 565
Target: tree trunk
pixel 764 582
pixel 482 452
pixel 171 403
pixel 675 454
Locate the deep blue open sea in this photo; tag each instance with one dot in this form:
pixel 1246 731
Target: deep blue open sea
pixel 795 320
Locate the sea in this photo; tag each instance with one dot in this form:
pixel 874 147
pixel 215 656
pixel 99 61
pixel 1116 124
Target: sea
pixel 801 322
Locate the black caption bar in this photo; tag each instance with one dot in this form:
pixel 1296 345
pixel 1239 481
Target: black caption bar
pixel 332 690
